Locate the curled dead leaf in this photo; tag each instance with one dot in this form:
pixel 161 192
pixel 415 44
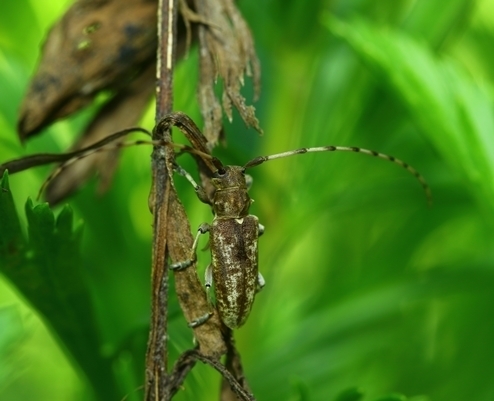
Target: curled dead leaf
pixel 122 111
pixel 97 45
pixel 226 51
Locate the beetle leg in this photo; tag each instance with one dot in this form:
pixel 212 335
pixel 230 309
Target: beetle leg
pixel 208 281
pixel 203 229
pixel 200 320
pixel 261 230
pixel 260 282
pixel 201 194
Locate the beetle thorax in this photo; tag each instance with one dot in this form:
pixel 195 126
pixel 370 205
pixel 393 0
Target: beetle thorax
pixel 231 199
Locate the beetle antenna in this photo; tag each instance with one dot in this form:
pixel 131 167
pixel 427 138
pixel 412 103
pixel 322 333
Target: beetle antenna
pixel 103 146
pixel 193 134
pixel 40 159
pixel 83 153
pixel 262 159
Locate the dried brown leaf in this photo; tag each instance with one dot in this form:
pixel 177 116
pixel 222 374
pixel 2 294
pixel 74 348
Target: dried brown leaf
pixel 97 45
pixel 122 111
pixel 226 50
pixel 190 291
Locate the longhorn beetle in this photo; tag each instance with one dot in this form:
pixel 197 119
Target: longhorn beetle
pixel 233 233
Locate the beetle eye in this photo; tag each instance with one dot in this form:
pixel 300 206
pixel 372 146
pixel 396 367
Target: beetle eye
pixel 220 172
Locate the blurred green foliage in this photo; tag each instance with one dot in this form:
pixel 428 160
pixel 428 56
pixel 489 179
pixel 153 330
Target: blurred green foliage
pixel 369 292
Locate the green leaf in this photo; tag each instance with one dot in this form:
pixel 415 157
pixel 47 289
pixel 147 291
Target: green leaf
pixel 351 394
pixel 300 390
pixel 11 239
pixel 10 335
pixel 451 109
pixel 392 397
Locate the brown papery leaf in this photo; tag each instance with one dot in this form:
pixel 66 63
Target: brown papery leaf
pixel 226 50
pixel 123 111
pixel 96 45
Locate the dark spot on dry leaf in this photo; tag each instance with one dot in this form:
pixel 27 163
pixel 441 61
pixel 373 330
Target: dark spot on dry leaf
pixel 43 83
pixel 126 53
pixel 132 31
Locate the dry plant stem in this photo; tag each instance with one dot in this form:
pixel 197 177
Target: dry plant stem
pixel 182 367
pixel 187 361
pixel 190 292
pixel 234 365
pixel 156 386
pixel 239 392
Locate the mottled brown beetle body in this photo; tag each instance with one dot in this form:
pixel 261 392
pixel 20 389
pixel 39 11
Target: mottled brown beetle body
pixel 234 253
pixel 233 239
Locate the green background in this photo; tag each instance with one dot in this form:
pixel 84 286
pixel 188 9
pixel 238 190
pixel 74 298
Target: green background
pixel 367 287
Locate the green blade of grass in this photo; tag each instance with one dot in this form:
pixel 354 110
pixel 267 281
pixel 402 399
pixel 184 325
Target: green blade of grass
pixel 452 110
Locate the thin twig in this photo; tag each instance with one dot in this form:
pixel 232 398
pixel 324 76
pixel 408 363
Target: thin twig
pixel 187 361
pixel 233 364
pixel 182 367
pixel 237 387
pixel 157 353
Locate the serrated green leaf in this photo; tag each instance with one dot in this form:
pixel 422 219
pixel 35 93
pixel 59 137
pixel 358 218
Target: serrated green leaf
pixel 41 226
pixel 11 239
pixel 65 221
pixel 50 277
